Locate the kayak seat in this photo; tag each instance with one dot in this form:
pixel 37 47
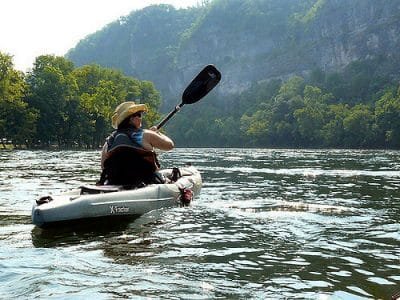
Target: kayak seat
pixel 99 189
pixel 129 166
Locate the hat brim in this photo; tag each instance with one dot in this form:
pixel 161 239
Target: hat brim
pixel 134 108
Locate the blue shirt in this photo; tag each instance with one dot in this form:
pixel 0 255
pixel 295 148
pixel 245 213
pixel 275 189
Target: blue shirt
pixel 137 137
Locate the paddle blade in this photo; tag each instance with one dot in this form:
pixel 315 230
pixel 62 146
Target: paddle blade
pixel 201 85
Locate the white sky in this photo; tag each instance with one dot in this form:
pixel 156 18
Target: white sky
pixel 29 28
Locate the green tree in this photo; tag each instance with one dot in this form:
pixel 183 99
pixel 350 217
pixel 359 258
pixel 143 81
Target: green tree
pixel 358 126
pixel 101 90
pixel 283 128
pixel 150 96
pixel 387 112
pixel 17 120
pixel 333 131
pixel 311 118
pixel 273 123
pixel 51 88
pixel 256 126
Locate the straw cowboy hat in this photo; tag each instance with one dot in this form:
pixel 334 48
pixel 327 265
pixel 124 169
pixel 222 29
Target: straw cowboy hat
pixel 124 110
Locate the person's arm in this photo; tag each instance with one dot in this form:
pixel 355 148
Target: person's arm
pixel 152 138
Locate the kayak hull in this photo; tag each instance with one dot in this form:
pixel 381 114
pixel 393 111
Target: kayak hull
pixel 114 202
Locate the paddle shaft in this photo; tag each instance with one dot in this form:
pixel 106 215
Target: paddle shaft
pixel 169 116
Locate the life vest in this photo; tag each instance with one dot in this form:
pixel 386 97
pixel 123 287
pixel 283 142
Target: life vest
pixel 126 162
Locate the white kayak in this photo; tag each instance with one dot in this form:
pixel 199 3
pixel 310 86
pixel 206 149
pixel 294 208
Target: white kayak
pixel 93 202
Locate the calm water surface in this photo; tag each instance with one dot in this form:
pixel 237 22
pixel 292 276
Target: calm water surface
pixel 269 224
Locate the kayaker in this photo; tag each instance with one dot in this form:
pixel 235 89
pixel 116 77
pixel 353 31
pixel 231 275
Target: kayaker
pixel 128 156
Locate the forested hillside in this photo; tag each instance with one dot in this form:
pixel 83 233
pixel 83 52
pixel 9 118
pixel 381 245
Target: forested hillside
pixel 249 40
pixel 296 73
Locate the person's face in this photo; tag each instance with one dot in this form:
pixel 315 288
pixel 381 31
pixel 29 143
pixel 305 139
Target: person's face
pixel 136 119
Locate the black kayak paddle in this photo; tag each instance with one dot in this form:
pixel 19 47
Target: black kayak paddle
pixel 200 86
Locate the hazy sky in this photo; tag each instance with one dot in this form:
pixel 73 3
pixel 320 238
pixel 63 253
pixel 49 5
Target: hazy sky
pixel 29 28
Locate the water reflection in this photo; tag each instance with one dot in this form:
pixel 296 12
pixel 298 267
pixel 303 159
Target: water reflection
pixel 77 233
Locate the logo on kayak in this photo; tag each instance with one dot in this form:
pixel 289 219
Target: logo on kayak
pixel 114 209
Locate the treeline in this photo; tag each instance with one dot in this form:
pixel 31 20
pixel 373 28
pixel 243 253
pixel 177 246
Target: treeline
pixel 59 105
pixel 56 104
pixel 357 108
pixel 303 115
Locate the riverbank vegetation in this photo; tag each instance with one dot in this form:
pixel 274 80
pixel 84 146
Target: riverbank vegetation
pixel 59 106
pixel 356 108
pixel 56 105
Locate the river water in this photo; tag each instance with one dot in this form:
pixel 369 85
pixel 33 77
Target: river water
pixel 268 224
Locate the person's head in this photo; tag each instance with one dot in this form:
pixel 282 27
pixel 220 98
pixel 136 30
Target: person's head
pixel 128 114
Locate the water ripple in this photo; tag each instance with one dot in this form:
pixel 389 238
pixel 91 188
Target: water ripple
pixel 269 223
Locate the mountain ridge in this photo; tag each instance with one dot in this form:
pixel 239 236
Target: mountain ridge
pixel 249 41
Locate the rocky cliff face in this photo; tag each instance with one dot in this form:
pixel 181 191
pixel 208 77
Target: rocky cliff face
pixel 329 35
pixel 250 41
pixel 345 31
